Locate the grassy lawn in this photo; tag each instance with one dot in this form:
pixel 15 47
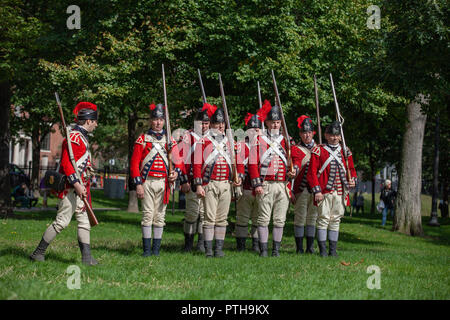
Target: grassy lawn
pixel 411 267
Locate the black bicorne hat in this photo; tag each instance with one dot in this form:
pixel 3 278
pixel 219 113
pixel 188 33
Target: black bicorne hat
pixel 157 111
pixel 274 113
pixel 218 116
pixel 252 121
pixel 87 114
pixel 333 128
pixel 202 115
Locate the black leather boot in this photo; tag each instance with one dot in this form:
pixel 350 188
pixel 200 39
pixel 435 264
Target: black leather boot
pixel 200 243
pixel 156 245
pixel 309 244
pixel 276 248
pixel 86 256
pixel 39 252
pixel 208 249
pixel 255 245
pixel 322 248
pixel 263 249
pixel 299 244
pixel 333 245
pixel 188 242
pixel 240 244
pixel 147 246
pixel 218 252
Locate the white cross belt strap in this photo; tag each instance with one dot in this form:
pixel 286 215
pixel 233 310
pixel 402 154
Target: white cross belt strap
pixel 219 149
pixel 275 146
pixel 156 149
pixel 333 155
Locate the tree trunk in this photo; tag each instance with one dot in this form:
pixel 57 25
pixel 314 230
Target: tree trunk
pixel 132 197
pixel 408 218
pixel 5 109
pixel 36 151
pixel 434 206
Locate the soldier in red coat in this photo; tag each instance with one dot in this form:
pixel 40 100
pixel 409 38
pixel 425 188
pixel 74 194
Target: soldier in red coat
pixel 195 211
pixel 212 178
pixel 305 213
pixel 247 206
pixel 149 168
pixel 327 177
pixel 268 170
pixel 71 198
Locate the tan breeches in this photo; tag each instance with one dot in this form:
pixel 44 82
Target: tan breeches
pixel 217 203
pixel 247 208
pixel 330 210
pixel 274 199
pixel 153 208
pixel 194 210
pixel 305 212
pixel 67 206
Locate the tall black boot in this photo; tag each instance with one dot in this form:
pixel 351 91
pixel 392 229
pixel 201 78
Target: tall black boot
pixel 309 244
pixel 240 244
pixel 218 252
pixel 263 247
pixel 39 252
pixel 147 246
pixel 208 249
pixel 333 245
pixel 299 244
pixel 255 245
pixel 188 242
pixel 200 243
pixel 322 248
pixel 86 256
pixel 276 248
pixel 156 245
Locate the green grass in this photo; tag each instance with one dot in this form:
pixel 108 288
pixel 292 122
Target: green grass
pixel 411 267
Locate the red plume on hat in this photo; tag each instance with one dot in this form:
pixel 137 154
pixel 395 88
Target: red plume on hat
pixel 152 106
pixel 301 119
pixel 210 109
pixel 262 113
pixel 248 117
pixel 84 105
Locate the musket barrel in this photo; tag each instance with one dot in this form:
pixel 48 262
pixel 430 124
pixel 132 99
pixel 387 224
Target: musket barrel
pixel 201 86
pixel 316 93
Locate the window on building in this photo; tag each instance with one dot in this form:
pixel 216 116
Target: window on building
pixel 45 143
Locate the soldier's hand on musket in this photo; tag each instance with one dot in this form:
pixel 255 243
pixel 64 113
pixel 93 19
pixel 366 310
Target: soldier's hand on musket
pixel 173 176
pixel 186 187
pixel 259 190
pixel 238 184
pixel 318 197
pixel 200 191
pixel 140 191
pixel 352 183
pixel 291 174
pixel 80 190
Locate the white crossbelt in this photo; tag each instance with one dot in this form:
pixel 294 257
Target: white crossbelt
pixel 156 149
pixel 333 155
pixel 275 146
pixel 219 149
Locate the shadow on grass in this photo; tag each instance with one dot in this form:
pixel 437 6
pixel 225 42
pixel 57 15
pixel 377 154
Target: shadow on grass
pixel 25 255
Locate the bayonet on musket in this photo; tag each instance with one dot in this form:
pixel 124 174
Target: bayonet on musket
pixel 340 119
pixel 283 124
pixel 260 102
pixel 201 86
pixel 228 132
pixel 316 93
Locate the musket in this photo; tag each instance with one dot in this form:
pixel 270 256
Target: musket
pixel 260 103
pixel 283 124
pixel 228 130
pixel 168 132
pixel 201 86
pixel 316 93
pixel 341 122
pixel 90 213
